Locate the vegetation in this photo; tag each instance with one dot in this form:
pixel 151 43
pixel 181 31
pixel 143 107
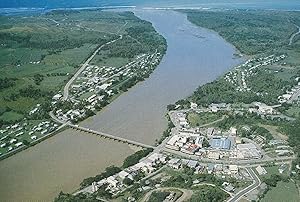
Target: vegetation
pixel 109 171
pixel 256 34
pixel 136 157
pixel 209 194
pixel 185 179
pixel 293 131
pixel 63 197
pixel 284 191
pixel 252 32
pixel 39 53
pixel 198 119
pixel 158 196
pixel 6 83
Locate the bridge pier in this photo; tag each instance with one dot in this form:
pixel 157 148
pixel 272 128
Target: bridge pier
pixel 111 137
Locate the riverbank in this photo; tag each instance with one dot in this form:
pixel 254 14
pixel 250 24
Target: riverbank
pixel 138 114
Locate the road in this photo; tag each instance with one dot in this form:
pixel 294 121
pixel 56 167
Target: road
pixel 84 65
pixel 293 35
pixel 256 183
pixel 105 135
pixel 230 162
pixel 294 97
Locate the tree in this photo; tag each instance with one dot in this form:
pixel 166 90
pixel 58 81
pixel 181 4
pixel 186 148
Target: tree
pixel 205 143
pixel 128 181
pixel 209 194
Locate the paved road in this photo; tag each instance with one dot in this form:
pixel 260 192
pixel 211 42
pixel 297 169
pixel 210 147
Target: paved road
pixel 293 36
pixel 85 64
pixel 294 97
pixel 113 137
pixel 256 183
pixel 230 162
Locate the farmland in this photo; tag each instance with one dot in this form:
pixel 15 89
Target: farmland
pixel 39 54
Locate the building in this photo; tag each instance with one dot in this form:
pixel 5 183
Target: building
pixel 233 169
pixel 260 170
pixel 57 97
pixel 174 163
pixel 247 151
pixel 213 155
pixel 222 143
pixel 192 164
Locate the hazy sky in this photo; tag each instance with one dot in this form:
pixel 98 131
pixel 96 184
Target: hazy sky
pixel 84 3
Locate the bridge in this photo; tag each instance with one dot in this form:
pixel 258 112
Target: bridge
pixel 112 137
pixel 105 135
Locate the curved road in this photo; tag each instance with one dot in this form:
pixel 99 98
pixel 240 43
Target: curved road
pixel 84 65
pixel 293 36
pixel 256 183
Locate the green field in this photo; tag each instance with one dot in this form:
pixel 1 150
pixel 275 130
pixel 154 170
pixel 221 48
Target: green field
pixel 283 192
pixel 198 119
pixel 41 52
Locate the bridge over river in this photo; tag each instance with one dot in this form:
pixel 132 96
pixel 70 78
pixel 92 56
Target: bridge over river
pixel 112 137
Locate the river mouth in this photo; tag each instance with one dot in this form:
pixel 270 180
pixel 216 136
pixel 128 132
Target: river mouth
pixel 194 57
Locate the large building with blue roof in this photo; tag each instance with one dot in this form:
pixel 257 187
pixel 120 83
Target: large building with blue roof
pixel 220 143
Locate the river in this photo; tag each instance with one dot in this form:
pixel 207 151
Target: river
pixel 194 56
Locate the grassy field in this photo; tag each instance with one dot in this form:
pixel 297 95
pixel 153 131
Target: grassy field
pixel 198 119
pixel 283 192
pixel 52 46
pixel 40 53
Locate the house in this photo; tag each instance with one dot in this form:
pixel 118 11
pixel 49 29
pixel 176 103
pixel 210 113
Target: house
pixel 192 164
pixel 193 105
pixel 18 144
pixel 112 181
pixel 233 169
pixel 156 157
pixel 260 170
pixel 57 97
pixel 229 188
pixel 199 141
pixel 210 168
pixel 123 174
pixel 213 155
pixel 174 163
pixel 12 141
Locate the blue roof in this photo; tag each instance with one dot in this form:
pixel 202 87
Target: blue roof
pixel 220 143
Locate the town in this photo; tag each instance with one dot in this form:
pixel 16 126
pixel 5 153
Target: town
pixel 96 86
pixel 197 143
pixel 92 90
pixel 204 150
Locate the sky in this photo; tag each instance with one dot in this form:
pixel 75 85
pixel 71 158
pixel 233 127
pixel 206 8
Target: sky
pixel 49 4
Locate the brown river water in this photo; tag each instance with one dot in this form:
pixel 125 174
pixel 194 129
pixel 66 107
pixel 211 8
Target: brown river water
pixel 195 56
